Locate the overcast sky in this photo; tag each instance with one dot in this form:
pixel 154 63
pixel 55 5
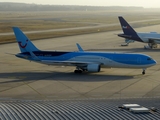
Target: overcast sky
pixel 143 3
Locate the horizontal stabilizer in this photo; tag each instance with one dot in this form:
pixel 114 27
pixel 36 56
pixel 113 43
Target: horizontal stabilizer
pixel 34 56
pixel 10 54
pixel 125 36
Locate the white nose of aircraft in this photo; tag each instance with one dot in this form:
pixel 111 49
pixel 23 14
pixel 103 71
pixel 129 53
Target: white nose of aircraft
pixel 154 62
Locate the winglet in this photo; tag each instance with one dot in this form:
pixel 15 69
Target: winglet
pixel 79 47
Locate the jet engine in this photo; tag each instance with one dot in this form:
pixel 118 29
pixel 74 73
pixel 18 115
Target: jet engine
pixel 93 68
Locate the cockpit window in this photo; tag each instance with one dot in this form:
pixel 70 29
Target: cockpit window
pixel 149 58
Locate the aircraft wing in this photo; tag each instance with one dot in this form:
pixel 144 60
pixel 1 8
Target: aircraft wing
pixel 153 38
pixel 70 63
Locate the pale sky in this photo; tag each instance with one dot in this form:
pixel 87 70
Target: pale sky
pixel 142 3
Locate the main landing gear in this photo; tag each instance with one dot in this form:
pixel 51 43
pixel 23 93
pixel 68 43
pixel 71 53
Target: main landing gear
pixel 151 45
pixel 78 71
pixel 144 71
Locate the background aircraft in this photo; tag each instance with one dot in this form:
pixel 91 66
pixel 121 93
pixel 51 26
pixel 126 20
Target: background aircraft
pixel 83 60
pixel 131 35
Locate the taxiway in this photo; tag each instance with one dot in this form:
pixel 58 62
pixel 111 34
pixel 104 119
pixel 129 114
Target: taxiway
pixel 28 80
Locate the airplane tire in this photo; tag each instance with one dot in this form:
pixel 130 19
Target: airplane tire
pixel 75 71
pixel 143 72
pixel 78 71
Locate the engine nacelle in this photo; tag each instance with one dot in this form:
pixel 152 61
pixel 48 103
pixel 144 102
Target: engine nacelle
pixel 93 68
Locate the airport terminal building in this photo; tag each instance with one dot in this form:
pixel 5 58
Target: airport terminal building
pixel 95 109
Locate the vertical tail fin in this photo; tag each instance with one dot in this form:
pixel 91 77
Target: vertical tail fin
pixel 24 43
pixel 127 29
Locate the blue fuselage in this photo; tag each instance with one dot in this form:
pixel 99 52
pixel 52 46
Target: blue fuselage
pixel 104 59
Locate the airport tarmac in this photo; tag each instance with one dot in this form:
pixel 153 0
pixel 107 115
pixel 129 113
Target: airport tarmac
pixel 21 79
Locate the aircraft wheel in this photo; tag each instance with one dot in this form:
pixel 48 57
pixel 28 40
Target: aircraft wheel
pixel 78 71
pixel 75 71
pixel 143 72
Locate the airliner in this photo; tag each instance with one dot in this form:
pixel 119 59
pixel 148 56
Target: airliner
pixel 84 61
pixel 152 38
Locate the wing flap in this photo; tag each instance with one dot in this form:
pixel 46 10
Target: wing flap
pixel 70 63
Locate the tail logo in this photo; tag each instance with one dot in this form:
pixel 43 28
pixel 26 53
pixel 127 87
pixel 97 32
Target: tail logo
pixel 22 46
pixel 125 27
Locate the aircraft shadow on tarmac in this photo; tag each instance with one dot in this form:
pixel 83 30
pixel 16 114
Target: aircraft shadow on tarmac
pixel 59 76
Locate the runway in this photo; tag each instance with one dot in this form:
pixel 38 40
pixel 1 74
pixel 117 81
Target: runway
pixel 20 79
pixel 91 26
